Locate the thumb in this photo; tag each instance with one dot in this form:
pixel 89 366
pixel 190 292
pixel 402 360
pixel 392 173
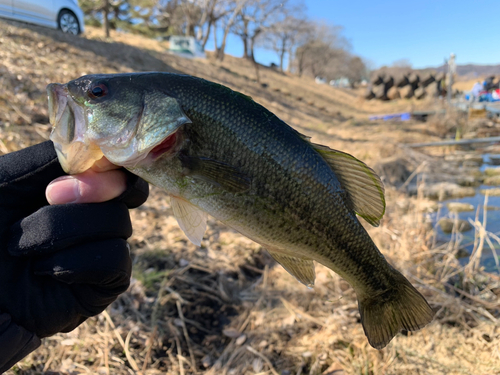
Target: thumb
pixel 87 187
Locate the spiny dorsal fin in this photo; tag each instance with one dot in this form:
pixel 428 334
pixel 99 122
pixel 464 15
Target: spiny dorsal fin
pixel 363 186
pixel 301 269
pixel 191 219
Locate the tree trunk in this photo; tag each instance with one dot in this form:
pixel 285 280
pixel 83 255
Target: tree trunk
pixel 199 32
pixel 244 39
pixel 216 48
pixel 301 64
pixel 252 43
pixel 290 58
pixel 205 38
pixel 237 10
pixel 204 16
pixel 282 57
pixel 105 15
pixel 221 49
pixel 257 75
pixel 282 52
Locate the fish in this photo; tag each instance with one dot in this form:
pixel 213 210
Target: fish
pixel 217 152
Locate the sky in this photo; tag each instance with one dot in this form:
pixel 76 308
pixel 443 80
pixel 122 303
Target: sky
pixel 425 32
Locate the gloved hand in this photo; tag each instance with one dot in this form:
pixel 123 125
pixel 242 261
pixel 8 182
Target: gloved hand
pixel 59 264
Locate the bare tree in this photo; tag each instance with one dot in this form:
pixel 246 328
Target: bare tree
pixel 236 6
pixel 284 36
pixel 212 12
pixel 356 70
pixel 207 7
pixel 192 12
pixel 255 19
pixel 323 53
pixel 169 16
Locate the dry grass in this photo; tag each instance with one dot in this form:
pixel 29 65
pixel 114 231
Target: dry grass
pixel 226 308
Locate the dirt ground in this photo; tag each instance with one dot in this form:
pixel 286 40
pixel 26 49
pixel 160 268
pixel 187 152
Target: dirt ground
pixel 227 308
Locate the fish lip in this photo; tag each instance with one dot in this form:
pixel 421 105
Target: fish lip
pixel 57 96
pixel 75 153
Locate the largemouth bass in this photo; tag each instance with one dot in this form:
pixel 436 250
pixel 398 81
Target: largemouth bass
pixel 217 152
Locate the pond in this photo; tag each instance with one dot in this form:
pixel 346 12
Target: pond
pixel 489 260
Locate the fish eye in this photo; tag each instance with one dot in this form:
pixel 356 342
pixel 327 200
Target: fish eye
pixel 97 91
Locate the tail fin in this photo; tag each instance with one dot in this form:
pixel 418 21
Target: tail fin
pixel 402 307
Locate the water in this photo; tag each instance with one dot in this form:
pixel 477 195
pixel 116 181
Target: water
pixel 492 222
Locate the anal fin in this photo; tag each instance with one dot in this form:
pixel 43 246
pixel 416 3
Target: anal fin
pixel 301 269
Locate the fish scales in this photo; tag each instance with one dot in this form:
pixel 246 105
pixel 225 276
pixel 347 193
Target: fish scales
pixel 304 190
pixel 216 151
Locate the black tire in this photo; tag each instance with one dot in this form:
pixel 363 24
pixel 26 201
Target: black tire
pixel 68 23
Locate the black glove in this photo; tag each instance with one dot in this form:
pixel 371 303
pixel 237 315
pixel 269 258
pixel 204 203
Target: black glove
pixel 59 264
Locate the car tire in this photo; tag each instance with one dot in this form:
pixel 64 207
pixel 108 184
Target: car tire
pixel 68 23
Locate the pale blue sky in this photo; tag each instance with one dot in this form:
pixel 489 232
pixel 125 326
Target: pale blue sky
pixel 425 31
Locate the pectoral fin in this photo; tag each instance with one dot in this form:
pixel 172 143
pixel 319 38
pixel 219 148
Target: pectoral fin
pixel 364 188
pixel 216 172
pixel 301 269
pixel 190 218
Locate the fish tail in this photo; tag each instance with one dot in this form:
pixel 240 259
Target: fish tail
pixel 384 315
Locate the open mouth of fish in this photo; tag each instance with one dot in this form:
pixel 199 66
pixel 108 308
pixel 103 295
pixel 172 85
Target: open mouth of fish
pixel 78 148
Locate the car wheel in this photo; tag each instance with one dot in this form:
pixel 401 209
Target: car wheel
pixel 68 23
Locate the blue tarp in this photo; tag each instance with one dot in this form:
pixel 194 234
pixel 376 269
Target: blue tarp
pixel 396 116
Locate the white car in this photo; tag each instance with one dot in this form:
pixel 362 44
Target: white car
pixel 58 14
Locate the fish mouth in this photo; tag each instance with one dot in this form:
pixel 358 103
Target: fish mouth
pixel 68 121
pixel 164 147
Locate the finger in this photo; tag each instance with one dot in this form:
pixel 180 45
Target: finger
pixel 104 263
pixel 23 177
pixel 87 187
pixel 53 228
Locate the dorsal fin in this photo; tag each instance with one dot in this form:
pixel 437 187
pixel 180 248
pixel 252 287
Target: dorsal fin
pixel 364 188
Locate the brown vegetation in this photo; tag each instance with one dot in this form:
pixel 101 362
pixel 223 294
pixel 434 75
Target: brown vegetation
pixel 227 308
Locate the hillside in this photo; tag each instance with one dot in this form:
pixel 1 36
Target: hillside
pixel 227 308
pixel 472 70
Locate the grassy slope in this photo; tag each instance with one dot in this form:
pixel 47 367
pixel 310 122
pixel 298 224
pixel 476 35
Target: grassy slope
pixel 226 308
